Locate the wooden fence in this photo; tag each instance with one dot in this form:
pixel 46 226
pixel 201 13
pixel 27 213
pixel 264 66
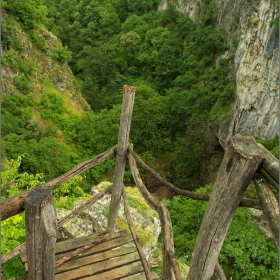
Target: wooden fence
pixel 244 161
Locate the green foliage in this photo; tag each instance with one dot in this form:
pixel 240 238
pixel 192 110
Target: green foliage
pixel 150 122
pixel 208 12
pixel 22 83
pixel 272 145
pixel 245 252
pixel 45 152
pixel 6 36
pixel 14 182
pixel 66 194
pixel 51 106
pixel 62 54
pixel 275 21
pixel 9 58
pixel 186 216
pixel 191 152
pixel 38 41
pixel 12 235
pixel 29 13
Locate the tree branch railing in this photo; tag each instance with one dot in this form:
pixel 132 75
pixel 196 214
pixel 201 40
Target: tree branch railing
pixel 225 198
pixel 245 202
pixel 22 247
pixel 15 205
pixel 170 268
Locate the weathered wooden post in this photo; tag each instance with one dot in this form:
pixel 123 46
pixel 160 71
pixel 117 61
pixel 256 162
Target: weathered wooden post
pixel 41 230
pixel 125 121
pixel 242 159
pixel 269 204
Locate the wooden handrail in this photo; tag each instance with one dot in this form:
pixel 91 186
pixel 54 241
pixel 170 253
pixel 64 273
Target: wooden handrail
pixel 15 205
pixel 170 268
pixel 245 202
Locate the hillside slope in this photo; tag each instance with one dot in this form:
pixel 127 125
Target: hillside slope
pixel 38 91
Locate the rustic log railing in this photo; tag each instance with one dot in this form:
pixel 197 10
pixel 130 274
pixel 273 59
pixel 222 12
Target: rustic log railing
pixel 244 161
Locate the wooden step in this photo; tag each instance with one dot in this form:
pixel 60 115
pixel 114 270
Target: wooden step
pixel 112 258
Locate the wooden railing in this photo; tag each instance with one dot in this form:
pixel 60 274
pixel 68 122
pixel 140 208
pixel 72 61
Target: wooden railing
pixel 244 161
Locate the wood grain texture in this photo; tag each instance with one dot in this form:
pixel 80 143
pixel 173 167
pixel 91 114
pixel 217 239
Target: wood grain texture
pixel 239 165
pixel 97 268
pixel 170 265
pixel 41 230
pixel 135 237
pixel 125 121
pixel 270 163
pixel 269 204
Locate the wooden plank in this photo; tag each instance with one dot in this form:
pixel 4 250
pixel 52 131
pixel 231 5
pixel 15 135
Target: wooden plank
pixel 104 246
pixel 240 163
pixel 125 121
pixel 81 261
pixel 98 267
pixel 65 247
pixel 40 221
pixel 118 273
pixel 141 276
pixel 22 247
pixel 80 250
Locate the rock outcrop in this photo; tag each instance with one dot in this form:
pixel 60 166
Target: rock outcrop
pixel 94 219
pixel 255 45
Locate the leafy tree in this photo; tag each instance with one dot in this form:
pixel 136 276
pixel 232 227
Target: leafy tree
pixel 29 12
pixel 150 122
pixel 188 159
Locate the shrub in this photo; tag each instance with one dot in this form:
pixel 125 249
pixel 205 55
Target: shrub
pixel 22 83
pixel 62 54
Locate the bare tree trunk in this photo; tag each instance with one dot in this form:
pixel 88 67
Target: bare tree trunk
pixel 41 233
pixel 241 161
pixel 126 115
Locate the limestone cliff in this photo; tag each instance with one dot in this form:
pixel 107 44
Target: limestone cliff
pixel 256 71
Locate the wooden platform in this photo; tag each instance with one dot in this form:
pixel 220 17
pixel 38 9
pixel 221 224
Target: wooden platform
pixel 114 258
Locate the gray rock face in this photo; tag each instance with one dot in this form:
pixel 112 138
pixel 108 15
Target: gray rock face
pixel 256 66
pixel 256 70
pixel 94 220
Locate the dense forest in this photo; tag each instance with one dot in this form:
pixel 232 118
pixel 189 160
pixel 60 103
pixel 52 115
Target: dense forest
pixel 183 89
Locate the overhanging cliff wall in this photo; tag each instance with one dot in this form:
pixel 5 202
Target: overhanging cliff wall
pixel 256 69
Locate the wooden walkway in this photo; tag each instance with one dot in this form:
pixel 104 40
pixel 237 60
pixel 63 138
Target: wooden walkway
pixel 112 258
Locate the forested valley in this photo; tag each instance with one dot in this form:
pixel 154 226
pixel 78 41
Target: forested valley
pixel 184 88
